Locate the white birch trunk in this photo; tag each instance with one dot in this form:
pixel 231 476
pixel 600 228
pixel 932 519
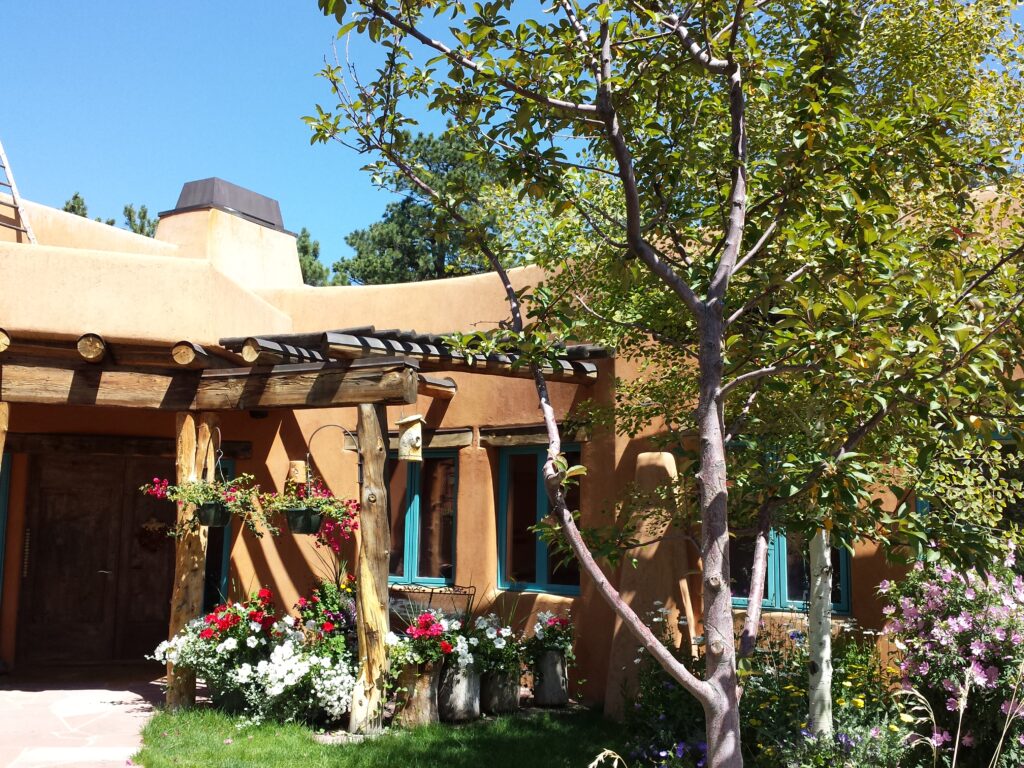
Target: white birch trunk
pixel 819 690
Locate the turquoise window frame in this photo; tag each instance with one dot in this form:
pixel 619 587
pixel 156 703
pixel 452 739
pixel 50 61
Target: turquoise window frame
pixel 5 488
pixel 776 588
pixel 412 522
pixel 542 585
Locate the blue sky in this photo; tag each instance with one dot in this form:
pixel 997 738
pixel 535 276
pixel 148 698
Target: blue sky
pixel 125 101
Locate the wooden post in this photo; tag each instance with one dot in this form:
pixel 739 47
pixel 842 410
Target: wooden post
pixel 195 457
pixel 5 420
pixel 372 574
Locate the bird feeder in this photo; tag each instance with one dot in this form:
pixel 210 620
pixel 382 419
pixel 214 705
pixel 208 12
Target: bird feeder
pixel 410 438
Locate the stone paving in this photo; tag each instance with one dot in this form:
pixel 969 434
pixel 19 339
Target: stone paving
pixel 87 717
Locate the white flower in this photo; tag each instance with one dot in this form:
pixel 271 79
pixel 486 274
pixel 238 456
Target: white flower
pixel 289 620
pixel 491 633
pixel 228 645
pixel 500 642
pixel 255 626
pixel 444 624
pixel 473 641
pixel 392 639
pixel 252 641
pixel 506 632
pixel 310 624
pixel 456 625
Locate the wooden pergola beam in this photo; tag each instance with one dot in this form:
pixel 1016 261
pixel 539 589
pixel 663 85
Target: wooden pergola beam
pixel 195 357
pixel 92 347
pixel 314 385
pixel 434 357
pixel 437 387
pixel 257 351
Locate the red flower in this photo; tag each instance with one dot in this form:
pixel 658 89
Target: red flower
pixel 206 634
pixel 265 595
pixel 302 602
pixel 256 616
pixel 267 622
pixel 328 626
pixel 446 647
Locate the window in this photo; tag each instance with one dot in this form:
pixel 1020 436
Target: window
pixel 524 559
pixel 421 498
pixel 787 582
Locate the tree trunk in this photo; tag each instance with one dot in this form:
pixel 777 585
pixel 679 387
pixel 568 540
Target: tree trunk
pixel 819 689
pixel 722 707
pixel 372 575
pixel 195 456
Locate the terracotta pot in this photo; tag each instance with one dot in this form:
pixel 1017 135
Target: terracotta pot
pixel 213 514
pixel 417 697
pixel 551 680
pixel 458 699
pixel 499 692
pixel 304 520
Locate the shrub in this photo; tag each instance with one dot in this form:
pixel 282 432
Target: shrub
pixel 962 642
pixel 667 723
pixel 497 648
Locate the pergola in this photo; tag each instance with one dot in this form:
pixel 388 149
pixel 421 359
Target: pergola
pixel 360 367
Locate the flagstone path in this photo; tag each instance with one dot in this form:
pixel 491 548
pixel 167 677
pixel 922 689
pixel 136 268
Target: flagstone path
pixel 82 717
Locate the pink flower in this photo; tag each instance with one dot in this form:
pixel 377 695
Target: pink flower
pixel 968 739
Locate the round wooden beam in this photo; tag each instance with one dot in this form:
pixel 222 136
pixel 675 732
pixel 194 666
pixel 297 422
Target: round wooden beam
pixel 185 353
pixel 5 340
pixel 92 348
pixel 251 350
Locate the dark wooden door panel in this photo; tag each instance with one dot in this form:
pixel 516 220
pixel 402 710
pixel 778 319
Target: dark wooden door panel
pixel 147 562
pixel 69 591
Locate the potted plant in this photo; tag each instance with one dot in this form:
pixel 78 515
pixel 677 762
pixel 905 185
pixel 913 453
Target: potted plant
pixel 499 657
pixel 550 652
pixel 418 655
pixel 306 505
pixel 458 698
pixel 214 502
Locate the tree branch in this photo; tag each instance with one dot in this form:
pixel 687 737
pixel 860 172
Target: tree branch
pixel 760 373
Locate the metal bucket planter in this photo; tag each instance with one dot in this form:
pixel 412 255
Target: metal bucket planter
pixel 551 680
pixel 458 699
pixel 417 695
pixel 304 519
pixel 213 514
pixel 499 692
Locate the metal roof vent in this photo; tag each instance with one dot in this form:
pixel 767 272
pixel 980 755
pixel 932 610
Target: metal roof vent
pixel 225 196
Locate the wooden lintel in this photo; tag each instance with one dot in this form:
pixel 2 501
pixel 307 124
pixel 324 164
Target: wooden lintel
pixel 511 437
pixel 440 388
pixel 314 385
pixel 432 439
pixel 257 351
pixel 111 445
pixel 92 348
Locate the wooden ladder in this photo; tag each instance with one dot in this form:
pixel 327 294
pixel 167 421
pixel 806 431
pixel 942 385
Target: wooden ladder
pixel 7 180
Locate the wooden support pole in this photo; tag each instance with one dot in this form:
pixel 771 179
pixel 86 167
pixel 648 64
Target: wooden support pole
pixel 372 620
pixel 5 420
pixel 195 458
pixel 92 348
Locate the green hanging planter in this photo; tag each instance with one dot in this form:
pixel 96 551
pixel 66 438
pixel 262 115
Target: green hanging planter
pixel 213 514
pixel 305 520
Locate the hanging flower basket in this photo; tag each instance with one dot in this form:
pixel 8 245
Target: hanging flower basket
pixel 306 520
pixel 213 514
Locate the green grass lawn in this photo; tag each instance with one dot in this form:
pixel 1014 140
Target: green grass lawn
pixel 210 739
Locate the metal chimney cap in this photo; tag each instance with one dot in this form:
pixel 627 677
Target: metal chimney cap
pixel 225 196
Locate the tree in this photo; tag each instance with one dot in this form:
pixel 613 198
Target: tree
pixel 793 217
pixel 415 241
pixel 313 272
pixel 139 221
pixel 135 221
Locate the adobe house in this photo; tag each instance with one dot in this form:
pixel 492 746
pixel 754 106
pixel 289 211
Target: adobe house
pixel 111 342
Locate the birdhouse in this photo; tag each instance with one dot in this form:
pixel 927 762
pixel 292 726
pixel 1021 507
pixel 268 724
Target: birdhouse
pixel 410 438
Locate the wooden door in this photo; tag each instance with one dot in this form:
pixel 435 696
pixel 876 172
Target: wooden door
pixel 146 575
pixel 73 534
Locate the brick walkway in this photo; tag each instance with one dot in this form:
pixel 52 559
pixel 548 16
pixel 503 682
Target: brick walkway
pixel 87 717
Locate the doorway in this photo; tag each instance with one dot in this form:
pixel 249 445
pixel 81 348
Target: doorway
pixel 98 566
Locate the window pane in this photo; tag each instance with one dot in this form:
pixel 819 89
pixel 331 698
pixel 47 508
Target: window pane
pixel 563 567
pixel 437 518
pixel 741 563
pixel 398 475
pixel 798 579
pixel 520 515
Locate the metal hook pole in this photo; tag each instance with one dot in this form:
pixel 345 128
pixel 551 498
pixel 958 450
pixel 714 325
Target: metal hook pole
pixel 309 452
